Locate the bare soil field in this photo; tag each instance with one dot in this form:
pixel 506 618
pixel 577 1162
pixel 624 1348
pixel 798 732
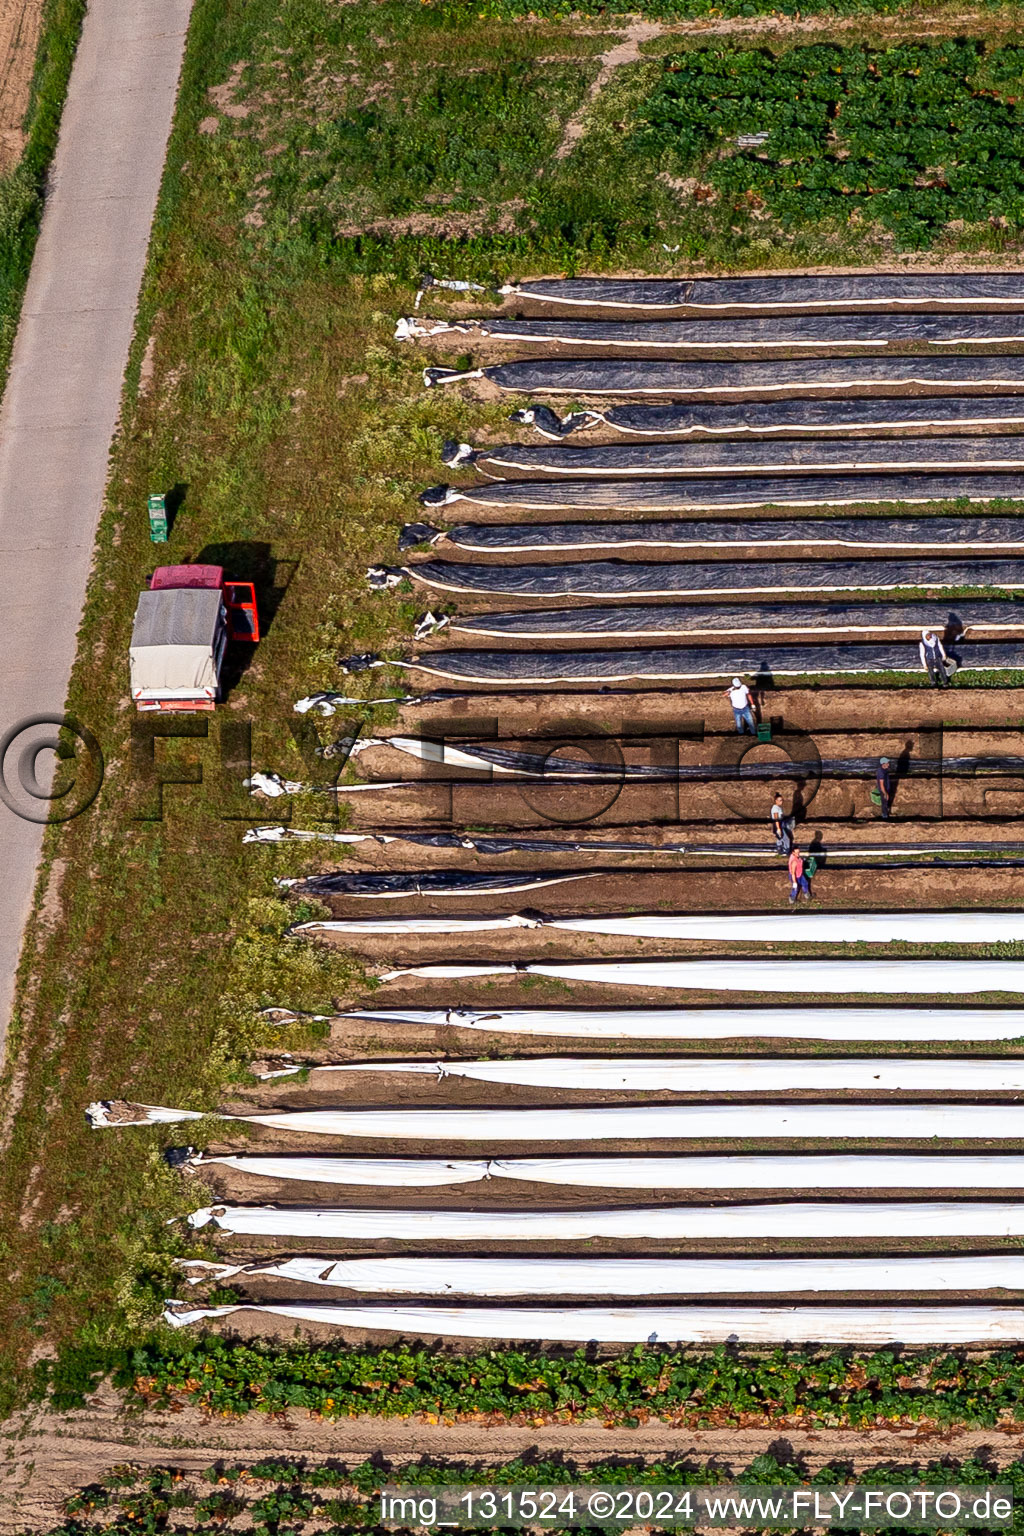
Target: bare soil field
pixel 19 33
pixel 42 1456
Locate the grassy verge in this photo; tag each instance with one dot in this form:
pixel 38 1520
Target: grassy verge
pixel 22 189
pixel 674 10
pixel 321 156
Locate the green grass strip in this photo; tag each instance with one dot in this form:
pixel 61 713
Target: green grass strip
pixel 22 190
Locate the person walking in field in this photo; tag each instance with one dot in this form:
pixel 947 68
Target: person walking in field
pixel 883 787
pixel 933 659
pixel 800 885
pixel 742 701
pixel 781 827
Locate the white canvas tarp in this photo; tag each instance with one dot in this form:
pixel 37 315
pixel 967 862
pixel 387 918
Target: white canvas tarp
pixel 647 1122
pixel 924 978
pixel 701 1074
pixel 173 644
pixel 806 928
pixel 666 1325
pixel 637 1277
pixel 882 1024
pixel 787 1172
pixel 810 1219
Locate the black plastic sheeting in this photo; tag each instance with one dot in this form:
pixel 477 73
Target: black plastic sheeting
pixel 549 766
pixel 669 663
pixel 474 884
pixel 715 619
pixel 947 454
pixel 882 533
pixel 695 495
pixel 516 844
pixel 806 417
pixel 804 331
pixel 913 290
pixel 610 578
pixel 618 376
pixel 439 882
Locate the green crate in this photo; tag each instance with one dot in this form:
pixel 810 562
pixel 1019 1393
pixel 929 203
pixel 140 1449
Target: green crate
pixel 157 508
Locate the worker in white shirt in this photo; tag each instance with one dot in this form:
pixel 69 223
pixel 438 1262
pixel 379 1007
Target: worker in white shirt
pixel 742 701
pixel 933 659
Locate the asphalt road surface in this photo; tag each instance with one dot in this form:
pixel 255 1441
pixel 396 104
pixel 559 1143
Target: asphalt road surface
pixel 61 404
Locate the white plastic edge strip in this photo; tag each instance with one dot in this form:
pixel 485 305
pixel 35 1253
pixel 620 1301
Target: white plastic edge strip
pixel 814 1219
pixel 825 1171
pixel 504 884
pixel 678 1325
pixel 925 978
pixel 645 1122
pixel 636 1277
pixel 437 752
pixel 882 1024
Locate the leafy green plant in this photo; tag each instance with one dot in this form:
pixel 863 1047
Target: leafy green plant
pixel 720 1385
pixel 910 137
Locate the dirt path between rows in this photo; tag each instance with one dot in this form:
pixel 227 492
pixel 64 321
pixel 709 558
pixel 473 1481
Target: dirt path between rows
pixel 43 1457
pixel 19 34
pixel 625 52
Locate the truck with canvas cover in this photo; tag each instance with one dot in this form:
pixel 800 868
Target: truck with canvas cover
pixel 183 623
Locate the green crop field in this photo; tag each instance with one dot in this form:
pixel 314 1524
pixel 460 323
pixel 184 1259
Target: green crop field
pixel 294 1496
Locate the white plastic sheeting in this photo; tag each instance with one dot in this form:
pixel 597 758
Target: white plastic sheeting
pixel 953 978
pixel 370 927
pixel 811 1219
pixel 807 1171
pixel 807 928
pixel 785 1172
pixel 648 1122
pixel 702 1074
pixel 382 1172
pixel 434 752
pixel 666 1325
pixel 638 1277
pixel 882 1024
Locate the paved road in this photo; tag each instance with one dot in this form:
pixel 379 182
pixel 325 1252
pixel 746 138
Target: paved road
pixel 61 404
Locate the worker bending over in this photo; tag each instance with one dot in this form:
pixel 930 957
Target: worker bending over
pixel 933 659
pixel 883 786
pixel 782 827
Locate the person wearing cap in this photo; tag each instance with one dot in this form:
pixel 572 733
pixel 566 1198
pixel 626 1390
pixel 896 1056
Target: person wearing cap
pixel 742 701
pixel 799 884
pixel 933 658
pixel 883 783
